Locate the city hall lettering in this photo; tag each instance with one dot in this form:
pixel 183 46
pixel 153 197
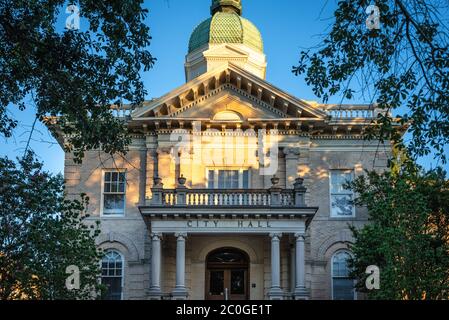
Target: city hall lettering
pixel 238 224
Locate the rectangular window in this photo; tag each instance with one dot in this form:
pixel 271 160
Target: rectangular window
pixel 114 191
pixel 227 179
pixel 341 198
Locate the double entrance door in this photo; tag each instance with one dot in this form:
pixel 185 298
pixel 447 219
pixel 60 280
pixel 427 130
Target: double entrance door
pixel 227 275
pixel 228 284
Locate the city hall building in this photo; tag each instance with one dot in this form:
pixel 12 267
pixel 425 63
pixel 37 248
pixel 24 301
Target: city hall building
pixel 232 188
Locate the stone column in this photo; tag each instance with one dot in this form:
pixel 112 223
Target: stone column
pixel 300 289
pixel 275 292
pixel 180 291
pixel 292 267
pixel 155 285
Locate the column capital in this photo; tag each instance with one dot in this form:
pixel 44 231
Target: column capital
pixel 300 236
pixel 164 150
pixel 291 152
pixel 181 235
pixel 152 150
pixel 276 236
pixel 155 236
pixel 186 152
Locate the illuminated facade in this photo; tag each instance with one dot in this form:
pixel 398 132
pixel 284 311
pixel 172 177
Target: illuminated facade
pixel 232 188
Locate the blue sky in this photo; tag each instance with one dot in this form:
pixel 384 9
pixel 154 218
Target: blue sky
pixel 287 27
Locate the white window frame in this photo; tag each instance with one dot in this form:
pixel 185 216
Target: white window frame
pixel 239 169
pixel 112 215
pixel 122 257
pixel 349 192
pixel 332 272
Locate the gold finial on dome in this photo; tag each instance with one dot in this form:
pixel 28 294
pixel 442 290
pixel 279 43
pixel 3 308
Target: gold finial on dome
pixel 226 6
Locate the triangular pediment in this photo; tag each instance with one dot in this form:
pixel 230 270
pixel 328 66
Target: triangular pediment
pixel 228 87
pixel 228 99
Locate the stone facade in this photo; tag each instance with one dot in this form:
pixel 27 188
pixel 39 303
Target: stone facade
pixel 283 226
pixel 130 235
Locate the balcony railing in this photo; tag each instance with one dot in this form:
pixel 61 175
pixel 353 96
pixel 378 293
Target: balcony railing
pixel 121 111
pixel 184 197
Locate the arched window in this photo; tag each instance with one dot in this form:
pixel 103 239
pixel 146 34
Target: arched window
pixel 342 283
pixel 112 275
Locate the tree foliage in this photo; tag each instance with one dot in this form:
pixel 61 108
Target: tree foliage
pixel 408 234
pixel 404 65
pixel 76 75
pixel 41 234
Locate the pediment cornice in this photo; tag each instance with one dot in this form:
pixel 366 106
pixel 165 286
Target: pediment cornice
pixel 235 80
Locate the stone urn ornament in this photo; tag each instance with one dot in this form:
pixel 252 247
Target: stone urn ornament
pixel 275 180
pixel 158 182
pixel 182 180
pixel 299 181
pixel 299 184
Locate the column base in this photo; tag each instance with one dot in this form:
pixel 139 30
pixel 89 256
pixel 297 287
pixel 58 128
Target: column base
pixel 276 294
pixel 155 294
pixel 180 293
pixel 301 293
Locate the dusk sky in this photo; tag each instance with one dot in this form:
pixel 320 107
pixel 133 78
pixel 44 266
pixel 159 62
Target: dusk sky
pixel 287 27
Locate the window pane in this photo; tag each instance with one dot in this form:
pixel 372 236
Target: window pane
pixel 227 256
pixel 122 177
pixel 114 287
pixel 114 203
pixel 342 205
pixel 245 179
pixel 335 181
pixel 211 179
pixel 343 289
pixel 238 282
pixel 114 187
pixel 338 179
pixel 228 179
pixel 234 179
pixel 107 187
pixel 114 176
pixel 216 284
pixel 340 264
pixel 121 187
pixel 222 179
pixel 107 176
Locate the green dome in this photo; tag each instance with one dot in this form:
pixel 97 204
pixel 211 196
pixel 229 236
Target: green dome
pixel 226 27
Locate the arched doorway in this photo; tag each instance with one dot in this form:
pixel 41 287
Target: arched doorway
pixel 227 274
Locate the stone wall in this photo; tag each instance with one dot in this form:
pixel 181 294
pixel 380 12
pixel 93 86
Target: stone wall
pixel 311 159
